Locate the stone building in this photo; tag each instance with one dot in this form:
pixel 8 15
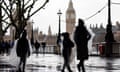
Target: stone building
pixel 101 31
pixel 99 39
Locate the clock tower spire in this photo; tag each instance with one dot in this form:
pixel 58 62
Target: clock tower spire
pixel 70 18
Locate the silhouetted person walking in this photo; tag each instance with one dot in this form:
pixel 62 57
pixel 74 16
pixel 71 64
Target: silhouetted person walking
pixel 43 46
pixel 67 47
pixel 81 38
pixel 37 46
pixel 23 50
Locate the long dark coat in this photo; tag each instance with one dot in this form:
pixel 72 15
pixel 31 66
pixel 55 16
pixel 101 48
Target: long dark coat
pixel 23 49
pixel 67 47
pixel 81 37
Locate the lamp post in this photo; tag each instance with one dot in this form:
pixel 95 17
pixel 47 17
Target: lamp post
pixel 59 31
pixel 59 28
pixel 109 37
pixel 109 15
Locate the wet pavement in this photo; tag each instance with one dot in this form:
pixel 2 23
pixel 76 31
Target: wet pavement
pixel 102 64
pixel 53 63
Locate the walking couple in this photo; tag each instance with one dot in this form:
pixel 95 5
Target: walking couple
pixel 81 38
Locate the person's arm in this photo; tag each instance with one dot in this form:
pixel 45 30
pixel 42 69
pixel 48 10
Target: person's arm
pixel 88 35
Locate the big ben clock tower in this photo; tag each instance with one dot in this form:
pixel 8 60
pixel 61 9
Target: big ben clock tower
pixel 70 18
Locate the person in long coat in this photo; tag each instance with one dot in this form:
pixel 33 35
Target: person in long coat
pixel 66 52
pixel 23 50
pixel 37 46
pixel 81 37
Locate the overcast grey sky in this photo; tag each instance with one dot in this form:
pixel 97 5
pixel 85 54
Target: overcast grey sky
pixel 83 8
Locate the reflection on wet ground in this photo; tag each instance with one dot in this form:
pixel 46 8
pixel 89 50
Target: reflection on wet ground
pixel 53 63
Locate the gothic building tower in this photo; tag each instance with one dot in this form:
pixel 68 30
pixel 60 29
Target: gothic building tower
pixel 70 18
pixel 49 31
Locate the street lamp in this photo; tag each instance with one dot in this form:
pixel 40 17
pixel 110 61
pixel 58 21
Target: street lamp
pixel 109 15
pixel 59 30
pixel 109 37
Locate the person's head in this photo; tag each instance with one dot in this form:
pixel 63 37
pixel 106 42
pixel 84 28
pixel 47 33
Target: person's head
pixel 65 35
pixel 80 22
pixel 36 40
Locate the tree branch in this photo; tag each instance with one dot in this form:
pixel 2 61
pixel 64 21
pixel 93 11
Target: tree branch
pixel 5 30
pixel 5 11
pixel 5 22
pixel 39 8
pixel 28 1
pixel 4 2
pixel 30 8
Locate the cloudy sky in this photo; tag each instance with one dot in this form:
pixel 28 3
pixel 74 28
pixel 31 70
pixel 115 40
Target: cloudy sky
pixel 84 9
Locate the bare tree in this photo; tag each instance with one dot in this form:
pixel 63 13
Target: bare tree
pixel 4 24
pixel 19 12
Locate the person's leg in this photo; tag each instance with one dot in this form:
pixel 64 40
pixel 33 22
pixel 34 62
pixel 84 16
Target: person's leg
pixel 82 65
pixel 63 67
pixel 36 52
pixel 19 66
pixel 64 64
pixel 24 63
pixel 20 63
pixel 68 67
pixel 78 66
pixel 68 63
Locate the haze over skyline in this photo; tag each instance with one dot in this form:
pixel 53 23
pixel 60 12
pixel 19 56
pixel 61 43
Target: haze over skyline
pixel 83 8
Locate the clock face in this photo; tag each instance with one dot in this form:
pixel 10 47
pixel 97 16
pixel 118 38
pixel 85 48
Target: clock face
pixel 67 16
pixel 72 16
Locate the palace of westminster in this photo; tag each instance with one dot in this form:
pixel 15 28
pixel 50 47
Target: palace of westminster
pixel 50 39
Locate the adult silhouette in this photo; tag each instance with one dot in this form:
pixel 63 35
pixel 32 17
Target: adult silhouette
pixel 67 47
pixel 81 37
pixel 23 50
pixel 37 46
pixel 43 46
